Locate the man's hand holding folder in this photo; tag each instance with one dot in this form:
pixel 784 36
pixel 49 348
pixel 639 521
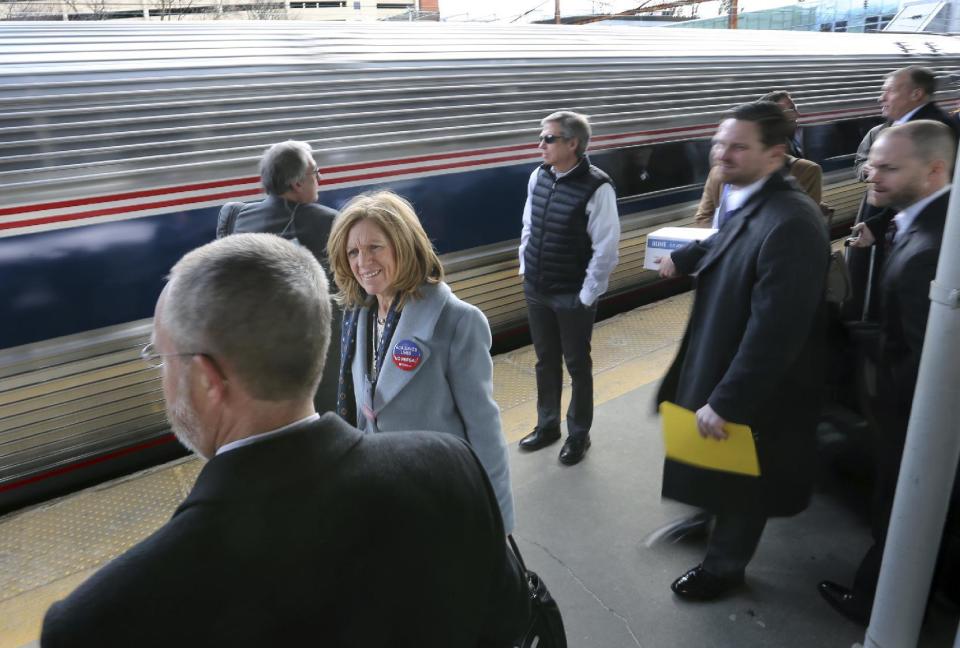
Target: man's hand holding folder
pixel 704 439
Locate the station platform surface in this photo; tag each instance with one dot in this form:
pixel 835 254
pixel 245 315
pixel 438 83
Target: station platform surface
pixel 581 527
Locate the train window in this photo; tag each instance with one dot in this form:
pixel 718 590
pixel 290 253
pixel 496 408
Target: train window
pixel 659 167
pixel 833 145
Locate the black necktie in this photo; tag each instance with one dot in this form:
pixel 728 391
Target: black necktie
pixel 891 233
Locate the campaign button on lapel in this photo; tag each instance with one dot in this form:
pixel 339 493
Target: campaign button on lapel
pixel 407 355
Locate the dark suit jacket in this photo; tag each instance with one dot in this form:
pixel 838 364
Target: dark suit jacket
pixel 752 349
pixel 905 303
pixel 310 225
pixel 319 536
pixel 307 223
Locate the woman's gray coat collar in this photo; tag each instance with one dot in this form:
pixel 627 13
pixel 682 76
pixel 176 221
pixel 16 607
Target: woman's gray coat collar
pixel 417 323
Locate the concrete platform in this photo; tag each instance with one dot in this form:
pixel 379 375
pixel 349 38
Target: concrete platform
pixel 580 527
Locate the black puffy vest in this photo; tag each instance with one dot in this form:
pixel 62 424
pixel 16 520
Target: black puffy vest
pixel 559 249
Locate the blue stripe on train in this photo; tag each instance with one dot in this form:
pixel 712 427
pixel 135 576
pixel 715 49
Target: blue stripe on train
pixel 71 280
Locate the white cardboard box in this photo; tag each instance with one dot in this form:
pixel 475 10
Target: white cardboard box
pixel 667 239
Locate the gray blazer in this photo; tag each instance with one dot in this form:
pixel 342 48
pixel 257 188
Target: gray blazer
pixel 450 388
pixel 308 223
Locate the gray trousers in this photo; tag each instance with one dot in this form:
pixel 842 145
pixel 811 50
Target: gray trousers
pixel 561 328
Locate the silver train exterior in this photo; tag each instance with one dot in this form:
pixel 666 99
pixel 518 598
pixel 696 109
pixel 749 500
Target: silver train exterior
pixel 119 142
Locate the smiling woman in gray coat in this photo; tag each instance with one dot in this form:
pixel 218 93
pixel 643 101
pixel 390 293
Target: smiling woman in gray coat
pixel 413 356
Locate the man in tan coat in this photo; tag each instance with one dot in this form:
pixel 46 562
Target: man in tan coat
pixel 807 174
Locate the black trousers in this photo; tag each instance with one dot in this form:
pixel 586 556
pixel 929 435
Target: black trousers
pixel 890 423
pixel 561 328
pixel 733 542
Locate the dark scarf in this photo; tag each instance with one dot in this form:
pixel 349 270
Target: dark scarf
pixel 346 398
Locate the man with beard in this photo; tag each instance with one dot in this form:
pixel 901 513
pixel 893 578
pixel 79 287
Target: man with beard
pixel 751 353
pixel 299 529
pixel 909 170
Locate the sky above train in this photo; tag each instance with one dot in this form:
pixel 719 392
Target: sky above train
pixel 529 10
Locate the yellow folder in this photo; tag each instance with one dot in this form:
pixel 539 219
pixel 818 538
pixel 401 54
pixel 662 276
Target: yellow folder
pixel 736 454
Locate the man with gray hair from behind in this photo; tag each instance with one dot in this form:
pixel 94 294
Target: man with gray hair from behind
pixel 291 180
pixel 299 528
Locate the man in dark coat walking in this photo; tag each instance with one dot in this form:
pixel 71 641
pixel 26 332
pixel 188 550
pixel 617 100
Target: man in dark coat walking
pixel 752 350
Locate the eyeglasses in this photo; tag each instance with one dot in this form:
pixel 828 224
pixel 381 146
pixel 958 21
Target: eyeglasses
pixel 550 139
pixel 154 360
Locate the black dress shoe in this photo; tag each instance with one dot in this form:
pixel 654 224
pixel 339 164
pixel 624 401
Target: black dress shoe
pixel 700 585
pixel 539 438
pixel 855 607
pixel 574 449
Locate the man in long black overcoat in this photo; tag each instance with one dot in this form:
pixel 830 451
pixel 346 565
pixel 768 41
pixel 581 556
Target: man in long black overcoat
pixel 752 350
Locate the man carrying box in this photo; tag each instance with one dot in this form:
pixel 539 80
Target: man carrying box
pixel 751 353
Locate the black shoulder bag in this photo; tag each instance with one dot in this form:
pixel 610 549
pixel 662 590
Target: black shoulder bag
pixel 545 628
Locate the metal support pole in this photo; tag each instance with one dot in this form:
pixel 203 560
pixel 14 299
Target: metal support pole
pixel 556 12
pixel 929 459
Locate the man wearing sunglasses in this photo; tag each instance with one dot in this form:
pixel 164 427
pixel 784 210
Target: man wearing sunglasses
pixel 568 247
pixel 299 529
pixel 291 180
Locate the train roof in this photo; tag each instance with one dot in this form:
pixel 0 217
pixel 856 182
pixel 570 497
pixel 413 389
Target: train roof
pixel 135 105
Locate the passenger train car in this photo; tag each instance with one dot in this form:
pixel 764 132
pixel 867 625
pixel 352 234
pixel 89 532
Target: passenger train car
pixel 120 141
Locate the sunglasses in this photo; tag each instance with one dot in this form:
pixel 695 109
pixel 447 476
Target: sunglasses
pixel 550 139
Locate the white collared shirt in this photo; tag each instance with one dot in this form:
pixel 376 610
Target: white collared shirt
pixel 603 228
pixel 735 198
pixel 905 218
pixel 906 118
pixel 239 443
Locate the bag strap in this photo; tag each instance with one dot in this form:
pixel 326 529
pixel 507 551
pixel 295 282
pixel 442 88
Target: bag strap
pixel 228 223
pixel 516 552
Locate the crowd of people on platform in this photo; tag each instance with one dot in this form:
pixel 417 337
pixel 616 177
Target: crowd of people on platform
pixel 305 521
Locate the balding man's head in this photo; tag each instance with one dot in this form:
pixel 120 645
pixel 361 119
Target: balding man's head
pixel 905 90
pixel 909 162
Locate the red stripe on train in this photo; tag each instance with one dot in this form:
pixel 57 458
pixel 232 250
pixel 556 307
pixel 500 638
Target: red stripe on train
pixel 146 193
pixel 333 169
pixel 109 211
pixel 167 438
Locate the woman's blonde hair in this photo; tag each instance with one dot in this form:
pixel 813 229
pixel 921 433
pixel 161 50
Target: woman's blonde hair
pixel 416 260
